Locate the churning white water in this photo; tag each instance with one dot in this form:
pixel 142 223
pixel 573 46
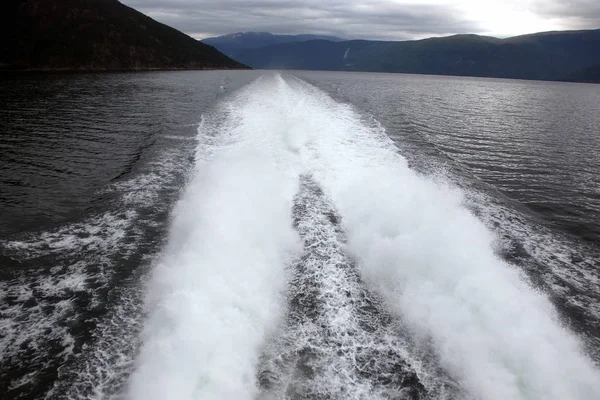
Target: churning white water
pixel 218 293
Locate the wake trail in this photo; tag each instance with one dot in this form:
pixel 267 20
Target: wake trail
pixel 215 293
pixel 306 260
pixel 434 264
pixel 337 343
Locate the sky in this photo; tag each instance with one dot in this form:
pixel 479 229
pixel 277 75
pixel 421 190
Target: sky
pixel 376 19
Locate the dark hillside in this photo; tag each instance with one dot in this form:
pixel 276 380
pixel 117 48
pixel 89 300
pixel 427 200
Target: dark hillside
pixel 96 35
pixel 546 56
pixel 589 75
pixel 233 43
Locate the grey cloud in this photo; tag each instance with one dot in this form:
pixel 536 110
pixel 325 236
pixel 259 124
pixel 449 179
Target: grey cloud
pixel 575 14
pixel 352 19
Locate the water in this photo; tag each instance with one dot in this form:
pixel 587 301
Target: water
pixel 536 142
pixel 242 234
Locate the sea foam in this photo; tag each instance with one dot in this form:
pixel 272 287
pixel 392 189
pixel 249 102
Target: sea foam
pixel 216 295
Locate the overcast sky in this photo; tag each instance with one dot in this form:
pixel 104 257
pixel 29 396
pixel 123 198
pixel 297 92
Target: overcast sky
pixel 377 19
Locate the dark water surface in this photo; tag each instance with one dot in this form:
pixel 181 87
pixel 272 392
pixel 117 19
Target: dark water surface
pixel 66 137
pixel 536 142
pixel 92 166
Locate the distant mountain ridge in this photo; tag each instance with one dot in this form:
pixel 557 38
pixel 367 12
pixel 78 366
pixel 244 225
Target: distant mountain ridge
pixel 96 35
pixel 233 43
pixel 559 55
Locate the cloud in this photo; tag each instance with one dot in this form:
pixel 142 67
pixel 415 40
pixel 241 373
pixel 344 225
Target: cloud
pixel 372 19
pixel 379 19
pixel 573 14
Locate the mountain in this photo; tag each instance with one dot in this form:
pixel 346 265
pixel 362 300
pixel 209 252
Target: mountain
pixel 96 35
pixel 589 75
pixel 233 43
pixel 544 56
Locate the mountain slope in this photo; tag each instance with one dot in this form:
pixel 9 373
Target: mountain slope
pixel 233 43
pixel 96 35
pixel 589 75
pixel 548 55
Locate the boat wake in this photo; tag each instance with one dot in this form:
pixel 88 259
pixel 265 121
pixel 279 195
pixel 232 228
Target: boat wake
pixel 307 261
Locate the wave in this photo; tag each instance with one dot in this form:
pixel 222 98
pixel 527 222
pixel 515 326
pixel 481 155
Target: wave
pixel 217 292
pixel 223 290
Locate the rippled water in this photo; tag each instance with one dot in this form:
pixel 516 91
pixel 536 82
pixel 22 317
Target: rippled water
pixel 536 142
pixel 91 166
pixel 242 234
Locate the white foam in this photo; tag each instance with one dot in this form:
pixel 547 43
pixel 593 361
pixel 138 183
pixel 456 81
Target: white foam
pixel 100 370
pixel 76 261
pixel 434 263
pixel 215 296
pixel 338 343
pixel 216 293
